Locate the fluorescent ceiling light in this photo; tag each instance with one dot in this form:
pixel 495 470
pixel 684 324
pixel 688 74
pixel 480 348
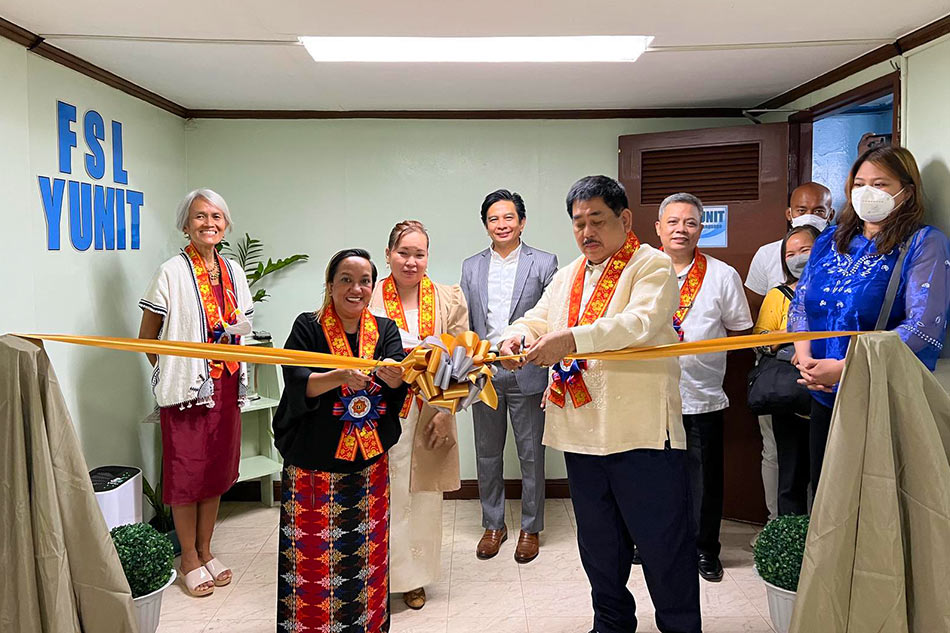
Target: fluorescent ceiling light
pixel 597 48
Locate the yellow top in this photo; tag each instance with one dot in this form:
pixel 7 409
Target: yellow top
pixel 773 316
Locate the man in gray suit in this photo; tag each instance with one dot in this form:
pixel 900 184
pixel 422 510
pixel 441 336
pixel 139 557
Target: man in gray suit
pixel 500 284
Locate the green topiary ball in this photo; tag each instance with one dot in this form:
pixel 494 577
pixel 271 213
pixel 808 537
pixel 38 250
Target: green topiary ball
pixel 146 555
pixel 779 550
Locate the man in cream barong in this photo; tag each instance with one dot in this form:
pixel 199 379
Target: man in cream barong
pixel 618 422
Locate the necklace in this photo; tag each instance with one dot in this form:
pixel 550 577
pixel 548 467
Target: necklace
pixel 214 274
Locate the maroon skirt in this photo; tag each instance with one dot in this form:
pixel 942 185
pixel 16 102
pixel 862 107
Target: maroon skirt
pixel 201 447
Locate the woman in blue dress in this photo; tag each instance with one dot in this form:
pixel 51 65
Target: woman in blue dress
pixel 844 284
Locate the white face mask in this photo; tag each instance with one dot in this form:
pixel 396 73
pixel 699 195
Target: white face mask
pixel 872 204
pixel 809 219
pixel 796 264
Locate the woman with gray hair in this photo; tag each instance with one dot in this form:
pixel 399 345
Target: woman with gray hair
pixel 199 296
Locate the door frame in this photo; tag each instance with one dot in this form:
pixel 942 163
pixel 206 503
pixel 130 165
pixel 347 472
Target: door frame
pixel 800 124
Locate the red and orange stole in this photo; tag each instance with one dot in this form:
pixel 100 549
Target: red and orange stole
pixel 364 437
pixel 213 317
pixel 569 378
pixel 394 310
pixel 691 286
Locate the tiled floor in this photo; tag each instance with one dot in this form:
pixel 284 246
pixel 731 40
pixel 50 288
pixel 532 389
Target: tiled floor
pixel 548 595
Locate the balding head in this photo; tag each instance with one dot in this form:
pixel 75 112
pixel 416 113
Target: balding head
pixel 810 198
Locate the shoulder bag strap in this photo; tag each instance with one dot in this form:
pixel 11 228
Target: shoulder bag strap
pixel 892 285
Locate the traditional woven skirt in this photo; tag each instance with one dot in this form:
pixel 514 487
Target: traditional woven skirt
pixel 201 447
pixel 333 571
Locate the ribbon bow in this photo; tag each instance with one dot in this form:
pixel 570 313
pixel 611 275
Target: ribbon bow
pixel 451 373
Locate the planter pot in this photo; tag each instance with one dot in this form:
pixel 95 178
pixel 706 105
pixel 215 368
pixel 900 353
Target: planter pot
pixel 171 535
pixel 781 606
pixel 148 608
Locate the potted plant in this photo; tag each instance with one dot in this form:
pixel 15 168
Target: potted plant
pixel 249 255
pixel 146 557
pixel 778 552
pixel 162 521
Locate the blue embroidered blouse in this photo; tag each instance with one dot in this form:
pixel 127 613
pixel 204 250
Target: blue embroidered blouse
pixel 845 291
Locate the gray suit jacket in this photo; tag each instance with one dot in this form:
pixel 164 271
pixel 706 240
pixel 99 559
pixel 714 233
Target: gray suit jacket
pixel 535 270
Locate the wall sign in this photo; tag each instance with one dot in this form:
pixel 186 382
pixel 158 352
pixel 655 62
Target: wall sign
pixel 715 227
pixel 96 214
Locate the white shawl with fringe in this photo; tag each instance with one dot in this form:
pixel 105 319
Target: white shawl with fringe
pixel 173 295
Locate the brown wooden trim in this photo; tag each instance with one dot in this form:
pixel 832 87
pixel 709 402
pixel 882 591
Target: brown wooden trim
pixel 925 34
pixel 36 44
pixel 888 84
pixel 642 113
pixel 553 489
pixel 844 71
pixel 912 40
pixel 18 34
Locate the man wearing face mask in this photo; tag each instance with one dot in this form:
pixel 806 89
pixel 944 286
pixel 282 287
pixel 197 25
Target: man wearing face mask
pixel 880 269
pixel 712 305
pixel 810 204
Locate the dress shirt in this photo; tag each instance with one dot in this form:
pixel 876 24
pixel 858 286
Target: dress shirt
pixel 765 271
pixel 501 285
pixel 720 305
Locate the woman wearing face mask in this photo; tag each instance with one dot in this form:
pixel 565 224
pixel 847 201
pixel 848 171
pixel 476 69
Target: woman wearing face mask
pixel 790 428
pixel 843 287
pixel 425 462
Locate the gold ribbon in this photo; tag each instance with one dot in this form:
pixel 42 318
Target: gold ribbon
pixel 422 363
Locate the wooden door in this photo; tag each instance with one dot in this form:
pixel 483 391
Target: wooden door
pixel 746 168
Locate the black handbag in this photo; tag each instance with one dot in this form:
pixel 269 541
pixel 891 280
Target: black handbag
pixel 773 382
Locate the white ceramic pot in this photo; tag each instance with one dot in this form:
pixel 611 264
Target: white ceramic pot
pixel 148 608
pixel 781 606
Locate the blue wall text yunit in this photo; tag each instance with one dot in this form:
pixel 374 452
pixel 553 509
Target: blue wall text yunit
pixel 96 214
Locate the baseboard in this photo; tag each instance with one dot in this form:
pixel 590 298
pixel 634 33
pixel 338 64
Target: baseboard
pixel 553 489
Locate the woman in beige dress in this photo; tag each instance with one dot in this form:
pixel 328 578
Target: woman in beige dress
pixel 425 461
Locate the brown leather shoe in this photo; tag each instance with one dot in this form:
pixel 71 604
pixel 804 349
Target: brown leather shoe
pixel 415 599
pixel 490 542
pixel 527 549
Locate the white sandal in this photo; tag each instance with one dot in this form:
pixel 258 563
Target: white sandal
pixel 217 568
pixel 196 577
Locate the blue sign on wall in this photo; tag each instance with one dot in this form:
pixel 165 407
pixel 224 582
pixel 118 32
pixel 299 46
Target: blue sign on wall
pixel 97 215
pixel 715 227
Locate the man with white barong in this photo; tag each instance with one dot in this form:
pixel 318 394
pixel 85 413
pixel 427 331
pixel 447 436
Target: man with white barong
pixel 618 422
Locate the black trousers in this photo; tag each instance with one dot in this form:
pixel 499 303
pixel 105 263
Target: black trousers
pixel 818 436
pixel 791 441
pixel 636 496
pixel 704 444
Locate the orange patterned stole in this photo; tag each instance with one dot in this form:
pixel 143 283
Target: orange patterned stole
pixel 568 378
pixel 691 286
pixel 213 317
pixel 359 429
pixel 394 310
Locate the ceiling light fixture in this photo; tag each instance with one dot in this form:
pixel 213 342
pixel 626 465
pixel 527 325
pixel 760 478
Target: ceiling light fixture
pixel 594 48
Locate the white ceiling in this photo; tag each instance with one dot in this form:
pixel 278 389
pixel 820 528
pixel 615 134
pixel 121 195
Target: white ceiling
pixel 262 67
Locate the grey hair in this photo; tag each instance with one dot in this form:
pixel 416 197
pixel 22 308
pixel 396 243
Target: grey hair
pixel 211 196
pixel 688 198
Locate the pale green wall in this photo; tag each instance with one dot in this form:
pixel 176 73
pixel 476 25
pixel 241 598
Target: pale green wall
pixel 318 186
pixel 925 116
pixel 926 129
pixel 312 186
pixel 91 292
